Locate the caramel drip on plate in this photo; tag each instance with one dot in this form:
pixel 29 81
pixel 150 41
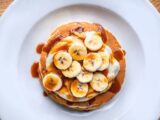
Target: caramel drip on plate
pixel 34 69
pixel 45 94
pixel 39 48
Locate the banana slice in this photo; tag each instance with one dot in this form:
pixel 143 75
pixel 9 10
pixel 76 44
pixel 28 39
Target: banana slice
pixel 108 87
pixel 78 89
pixel 92 62
pixel 85 76
pixel 99 82
pixel 60 46
pixel 93 41
pixel 62 60
pixel 52 82
pixel 105 61
pixel 73 70
pixel 81 35
pixel 77 51
pixel 113 69
pixel 72 39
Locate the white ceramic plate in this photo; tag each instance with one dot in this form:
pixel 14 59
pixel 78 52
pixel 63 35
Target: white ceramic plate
pixel 134 23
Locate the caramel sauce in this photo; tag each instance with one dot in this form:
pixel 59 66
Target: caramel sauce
pixel 34 69
pixel 102 48
pixel 63 47
pixel 52 83
pixel 103 98
pixel 51 42
pixel 63 90
pixel 89 51
pixel 118 54
pixel 115 87
pixel 42 62
pixel 70 96
pixel 77 29
pixel 111 60
pixel 39 48
pixel 91 56
pixel 91 101
pixel 52 68
pixel 105 72
pixel 102 32
pixel 67 83
pixel 45 94
pixel 79 32
pixel 70 103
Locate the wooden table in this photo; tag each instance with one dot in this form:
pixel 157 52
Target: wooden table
pixel 5 3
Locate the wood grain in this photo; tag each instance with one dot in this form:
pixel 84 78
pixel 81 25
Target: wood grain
pixel 5 3
pixel 156 3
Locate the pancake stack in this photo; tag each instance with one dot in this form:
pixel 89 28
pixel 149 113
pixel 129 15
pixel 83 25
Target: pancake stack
pixel 81 66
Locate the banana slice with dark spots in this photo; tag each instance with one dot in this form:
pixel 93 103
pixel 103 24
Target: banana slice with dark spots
pixel 52 82
pixel 99 82
pixel 105 61
pixel 85 76
pixel 78 89
pixel 93 41
pixel 73 70
pixel 78 51
pixel 62 60
pixel 92 62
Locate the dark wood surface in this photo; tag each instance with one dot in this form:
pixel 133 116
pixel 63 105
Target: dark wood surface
pixel 5 3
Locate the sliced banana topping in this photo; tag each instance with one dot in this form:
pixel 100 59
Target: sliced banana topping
pixel 52 82
pixel 72 39
pixel 81 35
pixel 73 70
pixel 99 82
pixel 59 47
pixel 92 62
pixel 108 87
pixel 105 61
pixel 93 41
pixel 62 60
pixel 77 51
pixel 85 76
pixel 78 89
pixel 113 69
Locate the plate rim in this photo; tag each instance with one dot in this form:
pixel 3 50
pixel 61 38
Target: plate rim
pixel 4 16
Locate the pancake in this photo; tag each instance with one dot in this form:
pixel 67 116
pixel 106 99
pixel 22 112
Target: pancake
pixel 58 42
